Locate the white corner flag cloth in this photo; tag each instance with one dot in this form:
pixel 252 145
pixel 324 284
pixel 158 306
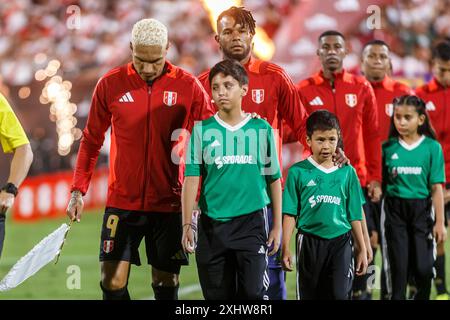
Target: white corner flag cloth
pixel 42 253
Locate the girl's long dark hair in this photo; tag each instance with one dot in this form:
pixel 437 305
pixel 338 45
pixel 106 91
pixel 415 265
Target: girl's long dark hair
pixel 408 100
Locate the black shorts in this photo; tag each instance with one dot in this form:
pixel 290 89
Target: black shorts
pixel 372 211
pixel 325 267
pixel 123 230
pixel 408 245
pixel 232 257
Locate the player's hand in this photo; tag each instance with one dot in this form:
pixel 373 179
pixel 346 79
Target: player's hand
pixel 339 158
pixel 286 260
pixel 75 206
pixel 361 262
pixel 275 239
pixel 6 201
pixel 188 239
pixel 374 239
pixel 374 191
pixel 255 115
pixel 369 253
pixel 439 232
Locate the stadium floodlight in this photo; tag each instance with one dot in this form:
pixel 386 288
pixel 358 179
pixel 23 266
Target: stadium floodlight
pixel 44 252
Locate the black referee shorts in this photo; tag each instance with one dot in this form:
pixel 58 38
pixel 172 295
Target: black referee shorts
pixel 123 231
pixel 232 257
pixel 325 267
pixel 408 245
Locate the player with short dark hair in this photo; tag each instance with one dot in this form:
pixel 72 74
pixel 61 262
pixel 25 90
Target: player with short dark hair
pixel 375 65
pixel 143 102
pixel 324 202
pixel 413 174
pixel 330 33
pixel 352 99
pixel 436 95
pixel 236 157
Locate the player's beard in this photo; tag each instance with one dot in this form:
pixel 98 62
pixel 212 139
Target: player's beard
pixel 236 56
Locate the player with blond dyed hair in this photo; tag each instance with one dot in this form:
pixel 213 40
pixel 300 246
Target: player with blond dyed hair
pixel 149 32
pixel 143 102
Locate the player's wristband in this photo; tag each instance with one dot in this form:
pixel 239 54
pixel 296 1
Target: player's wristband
pixel 10 188
pixel 189 225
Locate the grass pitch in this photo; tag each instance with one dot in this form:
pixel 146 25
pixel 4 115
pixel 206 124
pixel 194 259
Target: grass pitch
pixel 80 257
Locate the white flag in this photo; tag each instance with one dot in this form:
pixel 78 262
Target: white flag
pixel 42 253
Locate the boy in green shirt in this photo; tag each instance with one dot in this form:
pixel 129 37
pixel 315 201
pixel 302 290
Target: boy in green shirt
pixel 324 202
pixel 236 157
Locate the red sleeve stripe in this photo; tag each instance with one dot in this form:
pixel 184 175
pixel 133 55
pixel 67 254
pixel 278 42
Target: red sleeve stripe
pixel 281 73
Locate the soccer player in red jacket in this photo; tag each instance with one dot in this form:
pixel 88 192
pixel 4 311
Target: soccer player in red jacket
pixel 436 94
pixel 271 94
pixel 352 99
pixel 375 65
pixel 143 102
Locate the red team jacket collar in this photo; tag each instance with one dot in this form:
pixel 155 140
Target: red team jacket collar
pixel 320 77
pixel 387 83
pixel 434 85
pixel 253 65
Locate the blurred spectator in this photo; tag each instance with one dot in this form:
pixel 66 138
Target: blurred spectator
pixel 410 27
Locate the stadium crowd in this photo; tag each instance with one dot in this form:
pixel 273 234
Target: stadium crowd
pixel 102 41
pixel 410 28
pixel 31 27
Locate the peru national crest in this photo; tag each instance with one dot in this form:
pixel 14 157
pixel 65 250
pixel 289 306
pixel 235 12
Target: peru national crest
pixel 108 246
pixel 170 98
pixel 389 109
pixel 351 100
pixel 258 95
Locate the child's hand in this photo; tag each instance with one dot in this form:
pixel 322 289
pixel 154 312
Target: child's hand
pixel 369 253
pixel 255 115
pixel 286 261
pixel 374 191
pixel 361 262
pixel 188 239
pixel 275 238
pixel 439 232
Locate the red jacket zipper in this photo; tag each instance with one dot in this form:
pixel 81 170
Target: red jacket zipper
pixel 147 141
